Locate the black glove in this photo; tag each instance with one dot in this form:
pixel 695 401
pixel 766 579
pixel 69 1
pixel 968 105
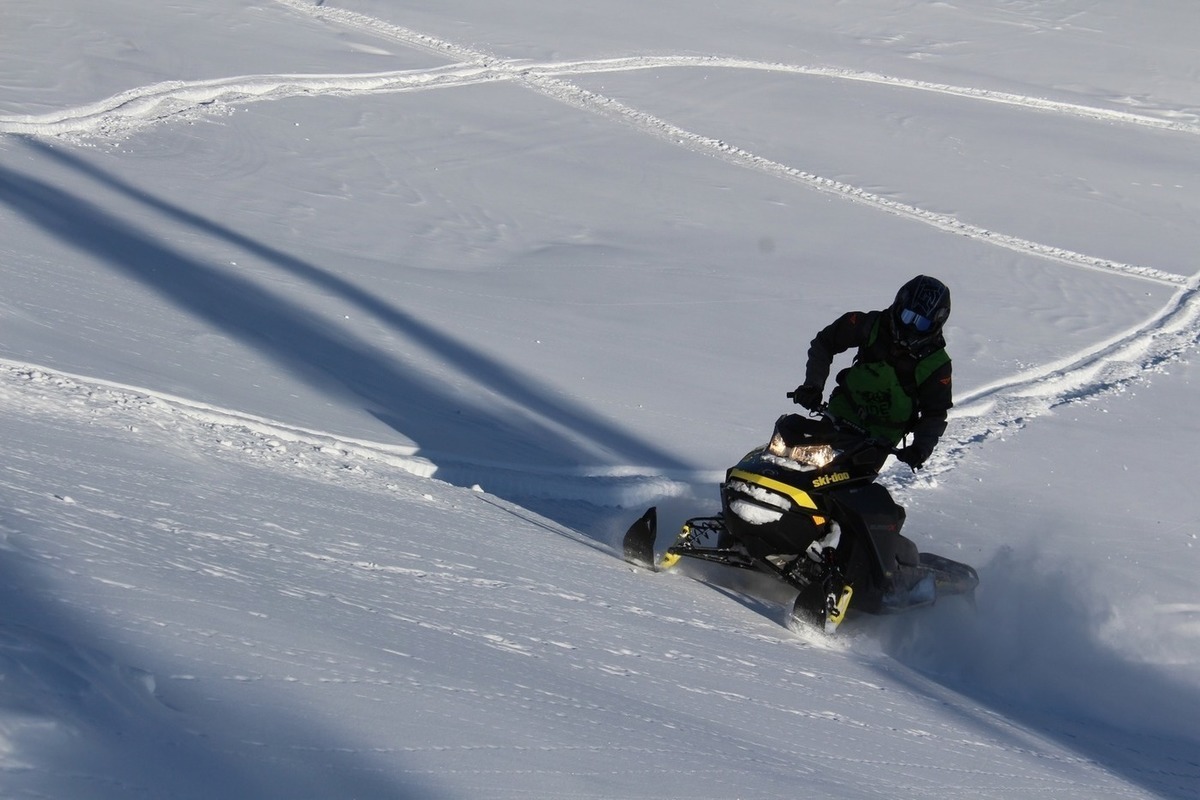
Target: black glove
pixel 915 455
pixel 808 396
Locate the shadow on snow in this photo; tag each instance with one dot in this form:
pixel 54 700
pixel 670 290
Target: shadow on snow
pixel 1035 653
pixel 452 430
pixel 109 732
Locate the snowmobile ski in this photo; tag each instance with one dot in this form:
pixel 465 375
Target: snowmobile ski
pixel 821 606
pixel 638 544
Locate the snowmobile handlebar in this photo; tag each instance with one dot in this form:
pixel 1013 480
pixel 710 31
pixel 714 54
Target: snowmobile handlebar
pixel 822 411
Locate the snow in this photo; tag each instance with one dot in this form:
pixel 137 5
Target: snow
pixel 342 340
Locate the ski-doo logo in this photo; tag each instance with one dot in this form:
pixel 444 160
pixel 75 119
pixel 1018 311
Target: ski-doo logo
pixel 825 480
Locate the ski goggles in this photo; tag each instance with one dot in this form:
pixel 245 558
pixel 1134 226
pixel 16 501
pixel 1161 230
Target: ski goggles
pixel 915 320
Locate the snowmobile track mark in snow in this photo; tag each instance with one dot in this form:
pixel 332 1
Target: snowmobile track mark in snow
pixel 158 102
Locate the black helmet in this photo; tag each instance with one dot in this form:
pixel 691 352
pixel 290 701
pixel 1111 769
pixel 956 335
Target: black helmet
pixel 921 308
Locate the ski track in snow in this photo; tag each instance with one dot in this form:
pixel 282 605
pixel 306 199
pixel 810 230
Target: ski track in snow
pixel 980 415
pixel 1005 406
pixel 143 106
pixel 42 390
pixel 46 391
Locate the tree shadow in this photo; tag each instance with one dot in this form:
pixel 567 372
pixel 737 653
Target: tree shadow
pixel 549 432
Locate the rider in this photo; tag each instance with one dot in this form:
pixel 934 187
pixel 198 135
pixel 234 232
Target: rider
pixel 899 382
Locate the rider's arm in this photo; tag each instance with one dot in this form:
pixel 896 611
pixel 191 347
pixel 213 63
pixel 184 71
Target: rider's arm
pixel 852 329
pixel 934 399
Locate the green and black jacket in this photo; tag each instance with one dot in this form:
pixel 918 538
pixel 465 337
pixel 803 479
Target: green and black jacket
pixel 887 390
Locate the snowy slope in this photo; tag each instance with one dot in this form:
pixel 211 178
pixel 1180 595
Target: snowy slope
pixel 341 340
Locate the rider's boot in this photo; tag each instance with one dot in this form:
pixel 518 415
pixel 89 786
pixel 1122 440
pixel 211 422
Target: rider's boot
pixel 816 550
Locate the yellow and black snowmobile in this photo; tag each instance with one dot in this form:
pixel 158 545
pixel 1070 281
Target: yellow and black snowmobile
pixel 806 509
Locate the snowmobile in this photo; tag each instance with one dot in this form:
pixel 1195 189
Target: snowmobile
pixel 805 508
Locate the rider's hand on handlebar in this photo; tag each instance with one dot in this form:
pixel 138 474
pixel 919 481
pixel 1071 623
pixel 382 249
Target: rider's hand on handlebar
pixel 914 455
pixel 808 396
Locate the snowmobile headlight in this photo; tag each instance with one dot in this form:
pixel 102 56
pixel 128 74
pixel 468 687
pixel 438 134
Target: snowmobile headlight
pixel 807 455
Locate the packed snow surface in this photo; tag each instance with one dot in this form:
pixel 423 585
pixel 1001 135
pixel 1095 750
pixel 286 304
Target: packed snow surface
pixel 341 340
